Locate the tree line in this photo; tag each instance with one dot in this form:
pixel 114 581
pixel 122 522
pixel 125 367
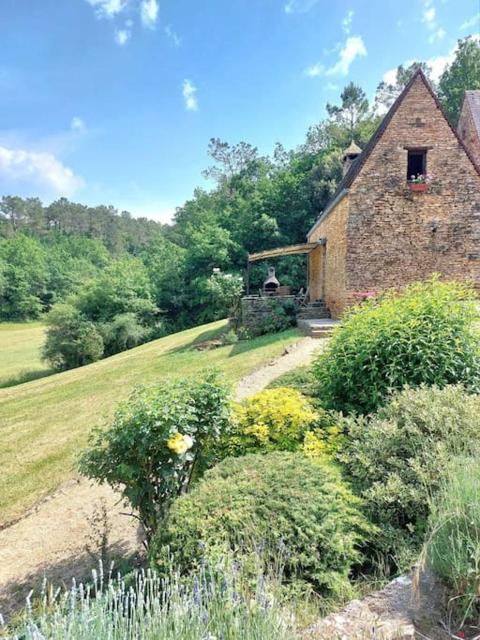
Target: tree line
pixel 99 264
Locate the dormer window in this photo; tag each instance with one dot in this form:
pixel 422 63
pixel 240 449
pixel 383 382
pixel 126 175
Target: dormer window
pixel 416 163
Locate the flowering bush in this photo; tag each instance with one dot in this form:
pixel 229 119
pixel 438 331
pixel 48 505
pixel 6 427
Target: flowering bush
pixel 157 442
pixel 280 419
pixel 288 508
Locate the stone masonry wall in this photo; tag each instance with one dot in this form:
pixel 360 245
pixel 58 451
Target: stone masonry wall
pixel 257 309
pixel 334 229
pixel 395 236
pixel 468 131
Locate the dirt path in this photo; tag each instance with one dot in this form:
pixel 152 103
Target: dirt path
pixel 52 540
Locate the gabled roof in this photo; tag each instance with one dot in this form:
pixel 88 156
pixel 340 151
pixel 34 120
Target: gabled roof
pixel 473 100
pixel 358 163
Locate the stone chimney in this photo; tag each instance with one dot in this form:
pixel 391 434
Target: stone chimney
pixel 349 155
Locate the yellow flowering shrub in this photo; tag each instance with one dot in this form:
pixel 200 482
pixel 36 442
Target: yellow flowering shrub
pixel 280 419
pixel 179 443
pixel 321 442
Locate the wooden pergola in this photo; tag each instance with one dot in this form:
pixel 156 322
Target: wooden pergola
pixel 292 250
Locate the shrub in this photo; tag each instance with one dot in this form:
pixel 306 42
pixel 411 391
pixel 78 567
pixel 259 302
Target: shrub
pixel 124 332
pixel 155 444
pixel 396 458
pixel 453 547
pixel 283 503
pixel 424 335
pixel 72 341
pixel 224 291
pixel 280 419
pixel 216 603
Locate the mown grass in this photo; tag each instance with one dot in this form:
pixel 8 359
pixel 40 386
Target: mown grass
pixel 20 349
pixel 44 423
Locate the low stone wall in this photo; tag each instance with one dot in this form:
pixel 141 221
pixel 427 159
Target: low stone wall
pixel 257 309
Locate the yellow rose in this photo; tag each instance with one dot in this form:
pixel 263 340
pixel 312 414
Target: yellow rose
pixel 179 443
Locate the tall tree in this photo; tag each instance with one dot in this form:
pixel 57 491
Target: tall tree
pixel 461 75
pixel 230 160
pixel 353 109
pixel 388 92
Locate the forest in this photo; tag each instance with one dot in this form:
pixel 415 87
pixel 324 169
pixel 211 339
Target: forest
pixel 110 281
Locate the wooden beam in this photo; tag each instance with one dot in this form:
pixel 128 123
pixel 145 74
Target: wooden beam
pixel 292 250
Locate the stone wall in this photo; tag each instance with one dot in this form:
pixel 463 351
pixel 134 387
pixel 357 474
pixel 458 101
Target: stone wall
pixel 257 309
pixel 327 275
pixel 395 236
pixel 468 131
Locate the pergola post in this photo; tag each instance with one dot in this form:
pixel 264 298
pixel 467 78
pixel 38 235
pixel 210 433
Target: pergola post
pixel 248 277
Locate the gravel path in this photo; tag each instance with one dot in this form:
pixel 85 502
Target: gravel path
pixel 53 538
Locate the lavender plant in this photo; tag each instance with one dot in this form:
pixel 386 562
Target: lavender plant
pixel 215 604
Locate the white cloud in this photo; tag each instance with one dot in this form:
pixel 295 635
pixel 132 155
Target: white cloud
pixel 353 48
pixel 438 64
pixel 438 34
pixel 173 36
pixel 122 36
pixel 331 86
pixel 471 24
pixel 299 6
pixel 390 76
pixel 108 8
pixel 315 70
pixel 149 13
pixel 20 169
pixel 78 125
pixel 189 93
pixel 428 17
pixel 347 21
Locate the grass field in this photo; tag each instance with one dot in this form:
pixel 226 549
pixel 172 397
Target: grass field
pixel 20 347
pixel 44 423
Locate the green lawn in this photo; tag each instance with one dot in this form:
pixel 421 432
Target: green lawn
pixel 20 346
pixel 44 423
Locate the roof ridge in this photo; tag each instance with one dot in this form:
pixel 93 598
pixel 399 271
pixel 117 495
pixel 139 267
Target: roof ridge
pixel 358 163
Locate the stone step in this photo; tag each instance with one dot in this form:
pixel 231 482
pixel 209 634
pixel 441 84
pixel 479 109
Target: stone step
pixel 316 328
pixel 313 314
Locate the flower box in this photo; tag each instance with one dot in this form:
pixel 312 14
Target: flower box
pixel 418 186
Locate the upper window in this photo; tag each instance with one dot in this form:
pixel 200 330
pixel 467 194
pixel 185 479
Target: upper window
pixel 416 163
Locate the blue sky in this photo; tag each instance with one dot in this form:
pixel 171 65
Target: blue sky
pixel 114 101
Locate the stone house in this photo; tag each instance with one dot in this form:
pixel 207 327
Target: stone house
pixel 376 232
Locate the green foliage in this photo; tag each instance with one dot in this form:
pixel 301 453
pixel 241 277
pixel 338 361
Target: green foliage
pixel 353 109
pixel 282 502
pixel 156 443
pixel 217 602
pixel 423 335
pixel 225 290
pixel 280 419
pixel 397 457
pixel 124 332
pixel 281 316
pixel 122 287
pixel 72 340
pixel 453 545
pixel 302 379
pixel 24 278
pixel 462 74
